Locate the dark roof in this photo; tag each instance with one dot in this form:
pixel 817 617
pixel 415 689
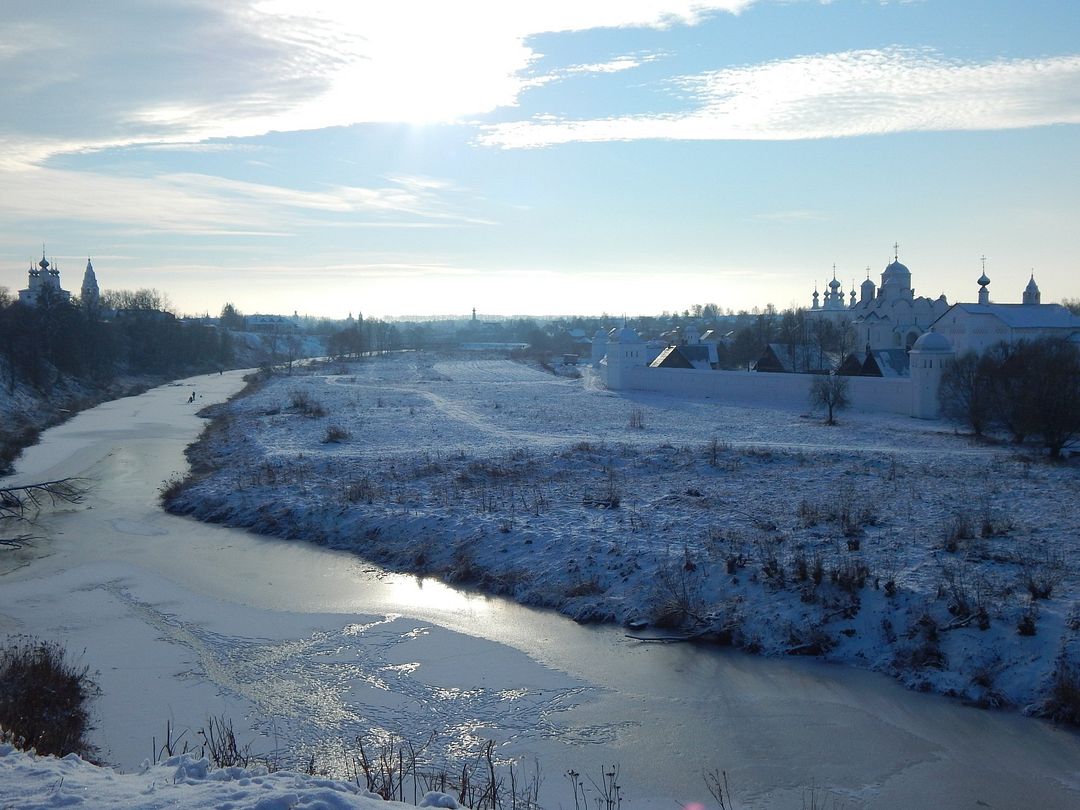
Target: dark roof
pixel 800 359
pixel 683 357
pixel 886 363
pixel 671 357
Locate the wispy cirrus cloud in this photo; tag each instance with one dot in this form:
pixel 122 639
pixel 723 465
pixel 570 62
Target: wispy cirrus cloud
pixel 200 204
pixel 617 65
pixel 865 92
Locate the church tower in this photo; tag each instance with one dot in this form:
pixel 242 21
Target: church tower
pixel 90 295
pixel 1031 292
pixel 984 282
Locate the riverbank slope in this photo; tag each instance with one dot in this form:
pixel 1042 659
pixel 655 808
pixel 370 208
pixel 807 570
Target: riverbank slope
pixel 885 543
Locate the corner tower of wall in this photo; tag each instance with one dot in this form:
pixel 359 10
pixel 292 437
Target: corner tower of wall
pixel 624 352
pixel 930 355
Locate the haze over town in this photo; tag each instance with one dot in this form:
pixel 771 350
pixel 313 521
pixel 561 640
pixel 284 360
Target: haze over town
pixel 624 157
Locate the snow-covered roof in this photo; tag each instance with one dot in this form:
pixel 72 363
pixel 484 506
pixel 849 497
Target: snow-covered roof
pixel 890 362
pixel 1023 316
pixel 696 356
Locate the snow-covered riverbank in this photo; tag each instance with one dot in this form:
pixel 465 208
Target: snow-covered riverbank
pixel 33 783
pixel 885 543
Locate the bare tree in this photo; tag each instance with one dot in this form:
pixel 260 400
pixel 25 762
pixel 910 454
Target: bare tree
pixel 966 392
pixel 1031 388
pixel 829 392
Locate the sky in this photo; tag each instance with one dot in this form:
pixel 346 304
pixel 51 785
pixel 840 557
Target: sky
pixel 539 158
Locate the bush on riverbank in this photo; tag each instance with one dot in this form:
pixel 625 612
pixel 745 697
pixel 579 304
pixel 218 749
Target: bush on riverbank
pixel 44 699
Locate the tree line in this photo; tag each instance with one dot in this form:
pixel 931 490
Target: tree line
pixel 1029 390
pixel 58 338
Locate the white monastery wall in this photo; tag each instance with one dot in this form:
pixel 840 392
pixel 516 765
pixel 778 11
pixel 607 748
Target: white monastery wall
pixel 867 394
pixel 880 394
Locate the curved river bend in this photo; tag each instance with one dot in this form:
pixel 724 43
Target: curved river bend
pixel 298 644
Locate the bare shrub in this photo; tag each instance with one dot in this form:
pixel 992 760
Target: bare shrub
pixel 336 434
pixel 926 651
pixel 363 489
pixel 584 587
pixel 610 496
pixel 385 766
pixel 991 524
pixel 464 567
pixel 966 597
pixel 714 449
pixel 810 514
pixel 44 699
pixel 304 403
pixel 960 526
pixel 849 511
pixel 800 567
pixel 1040 577
pixel 605 794
pixel 637 419
pixel 220 745
pixel 676 600
pixel 1025 625
pixel 850 575
pixel 172 487
pixel 1062 703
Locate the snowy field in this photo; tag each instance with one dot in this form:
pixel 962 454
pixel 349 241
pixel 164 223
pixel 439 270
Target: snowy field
pixel 885 543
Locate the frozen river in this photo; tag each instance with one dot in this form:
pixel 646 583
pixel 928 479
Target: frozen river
pixel 303 645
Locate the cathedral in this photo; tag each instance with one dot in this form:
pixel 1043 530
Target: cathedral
pixel 885 317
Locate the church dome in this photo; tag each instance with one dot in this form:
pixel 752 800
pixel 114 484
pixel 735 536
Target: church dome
pixel 983 280
pixel 627 335
pixel 895 269
pixel 834 283
pixel 932 342
pixel 601 335
pixel 1031 285
pixel 867 285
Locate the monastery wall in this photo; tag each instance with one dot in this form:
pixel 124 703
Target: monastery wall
pixel 867 394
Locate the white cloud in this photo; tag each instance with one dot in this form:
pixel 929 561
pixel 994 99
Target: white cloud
pixel 836 95
pixel 175 71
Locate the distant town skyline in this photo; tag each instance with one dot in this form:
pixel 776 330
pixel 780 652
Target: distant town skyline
pixel 540 158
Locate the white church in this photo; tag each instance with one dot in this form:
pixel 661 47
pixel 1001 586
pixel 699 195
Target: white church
pixel 44 279
pixel 890 318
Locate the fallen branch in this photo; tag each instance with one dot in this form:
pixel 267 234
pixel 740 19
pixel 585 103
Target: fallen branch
pixel 23 502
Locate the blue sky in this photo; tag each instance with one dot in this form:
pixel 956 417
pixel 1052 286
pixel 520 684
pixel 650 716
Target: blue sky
pixel 539 158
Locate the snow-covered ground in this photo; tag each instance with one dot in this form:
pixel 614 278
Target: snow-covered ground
pixel 28 782
pixel 886 543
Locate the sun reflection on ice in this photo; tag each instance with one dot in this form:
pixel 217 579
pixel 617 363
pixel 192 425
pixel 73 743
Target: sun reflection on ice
pixel 434 596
